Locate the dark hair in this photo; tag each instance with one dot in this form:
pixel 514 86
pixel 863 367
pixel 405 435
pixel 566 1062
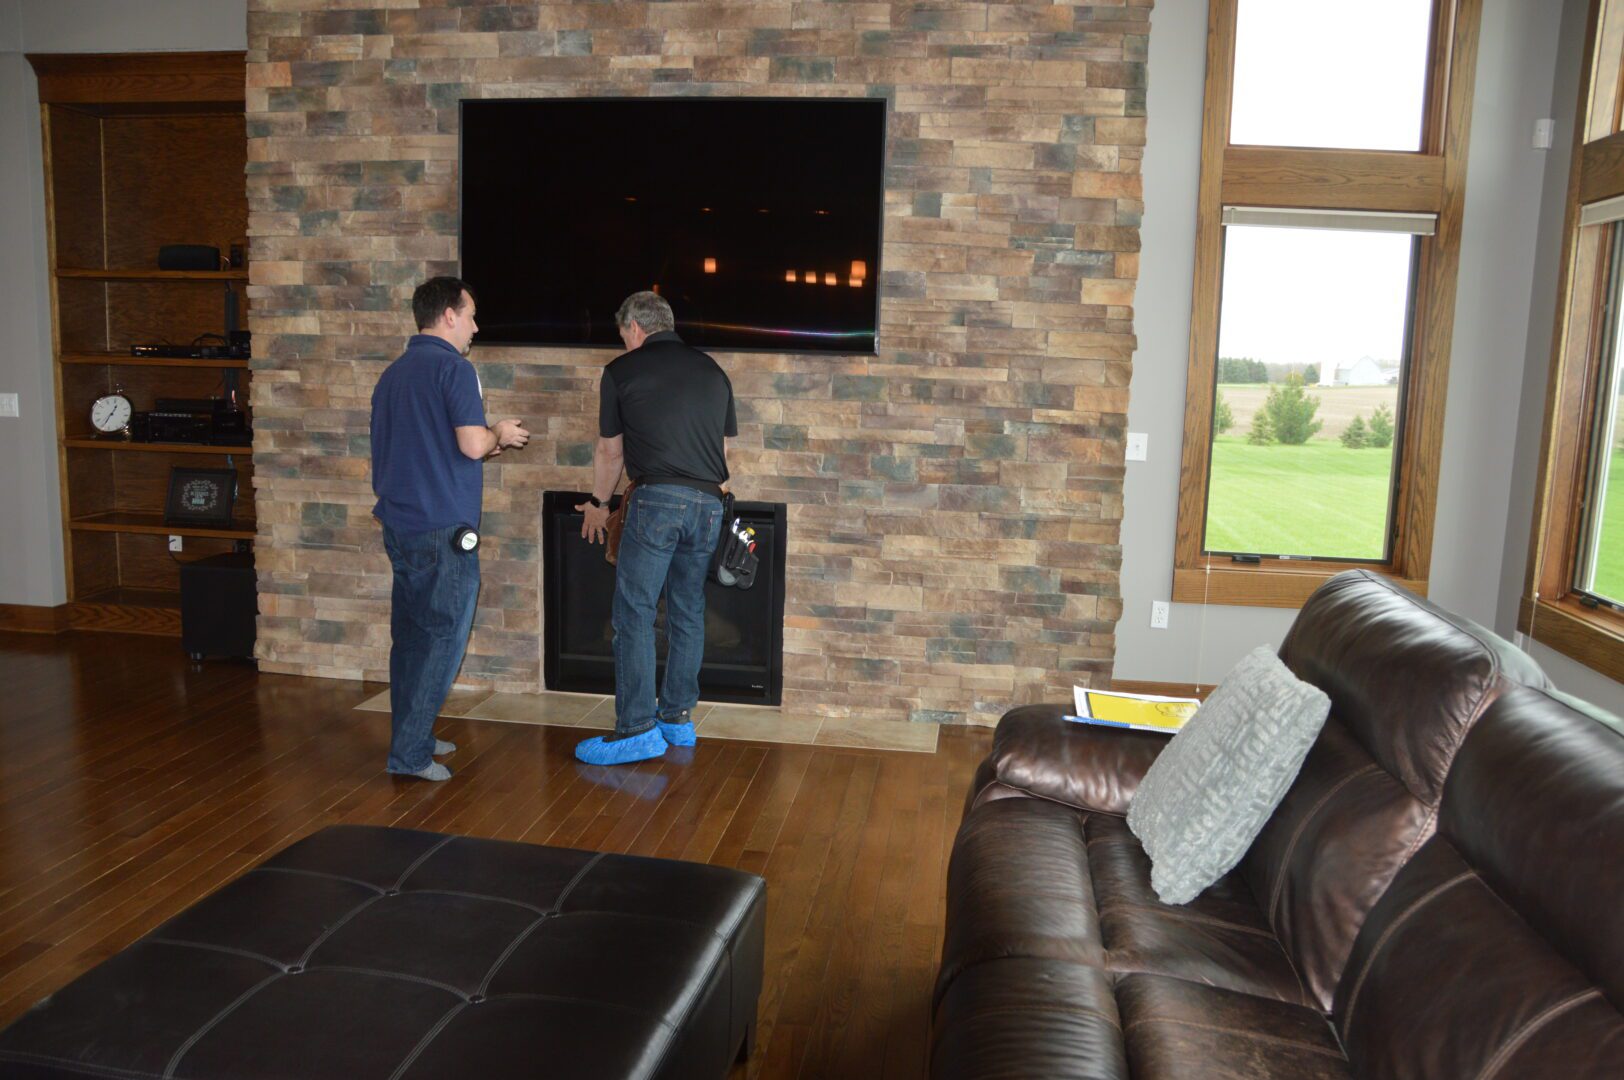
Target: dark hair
pixel 434 296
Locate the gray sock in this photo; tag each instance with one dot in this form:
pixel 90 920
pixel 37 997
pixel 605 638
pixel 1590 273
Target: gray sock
pixel 435 771
pixel 442 747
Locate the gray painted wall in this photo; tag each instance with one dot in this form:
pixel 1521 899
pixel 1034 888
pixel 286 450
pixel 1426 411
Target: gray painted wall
pixel 31 563
pixel 30 521
pixel 1528 63
pixel 1201 642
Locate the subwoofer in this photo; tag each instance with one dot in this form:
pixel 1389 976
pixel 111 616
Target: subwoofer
pixel 218 602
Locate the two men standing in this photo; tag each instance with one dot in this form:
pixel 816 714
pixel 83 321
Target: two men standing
pixel 665 411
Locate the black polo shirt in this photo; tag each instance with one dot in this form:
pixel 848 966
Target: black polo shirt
pixel 674 405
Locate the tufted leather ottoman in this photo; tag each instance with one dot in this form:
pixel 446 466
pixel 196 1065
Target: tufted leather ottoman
pixel 363 953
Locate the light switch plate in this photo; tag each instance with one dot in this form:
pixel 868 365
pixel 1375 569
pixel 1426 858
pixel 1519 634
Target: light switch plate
pixel 1138 445
pixel 8 405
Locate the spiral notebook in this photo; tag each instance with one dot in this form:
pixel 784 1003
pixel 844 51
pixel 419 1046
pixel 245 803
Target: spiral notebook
pixel 1136 712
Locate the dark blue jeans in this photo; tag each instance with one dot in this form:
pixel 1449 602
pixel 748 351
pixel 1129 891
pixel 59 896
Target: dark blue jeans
pixel 431 612
pixel 670 535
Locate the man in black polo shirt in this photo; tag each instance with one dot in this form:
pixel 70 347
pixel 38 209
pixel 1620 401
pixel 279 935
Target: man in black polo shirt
pixel 664 411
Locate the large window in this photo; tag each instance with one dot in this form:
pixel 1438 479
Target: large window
pixel 1599 565
pixel 1574 599
pixel 1313 330
pixel 1332 185
pixel 1331 73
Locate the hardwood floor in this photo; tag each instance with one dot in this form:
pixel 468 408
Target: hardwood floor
pixel 133 783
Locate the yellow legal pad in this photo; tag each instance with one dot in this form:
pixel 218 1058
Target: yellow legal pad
pixel 1139 712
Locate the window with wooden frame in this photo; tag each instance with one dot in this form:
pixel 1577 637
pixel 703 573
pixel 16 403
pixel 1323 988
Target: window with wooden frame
pixel 1574 595
pixel 1333 167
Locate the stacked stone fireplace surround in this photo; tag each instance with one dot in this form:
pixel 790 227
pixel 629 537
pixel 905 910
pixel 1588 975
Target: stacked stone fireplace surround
pixel 954 502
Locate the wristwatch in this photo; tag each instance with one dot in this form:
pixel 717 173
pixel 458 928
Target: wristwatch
pixel 597 503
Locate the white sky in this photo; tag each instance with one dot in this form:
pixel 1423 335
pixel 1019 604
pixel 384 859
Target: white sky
pixel 1348 73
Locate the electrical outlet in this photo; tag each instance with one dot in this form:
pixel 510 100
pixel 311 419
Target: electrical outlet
pixel 1159 610
pixel 8 405
pixel 1544 134
pixel 1138 445
pixel 174 542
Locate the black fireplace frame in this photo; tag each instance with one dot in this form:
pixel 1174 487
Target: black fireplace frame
pixel 558 513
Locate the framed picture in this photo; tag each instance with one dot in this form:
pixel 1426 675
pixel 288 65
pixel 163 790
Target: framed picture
pixel 200 497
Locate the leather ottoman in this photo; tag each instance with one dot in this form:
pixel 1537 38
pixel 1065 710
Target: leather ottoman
pixel 363 953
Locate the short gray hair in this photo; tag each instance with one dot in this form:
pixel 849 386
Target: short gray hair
pixel 648 310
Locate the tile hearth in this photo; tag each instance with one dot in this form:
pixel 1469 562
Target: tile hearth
pixel 749 722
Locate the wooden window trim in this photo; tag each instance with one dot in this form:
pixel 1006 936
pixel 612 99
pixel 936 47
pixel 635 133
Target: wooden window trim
pixel 1430 180
pixel 1550 611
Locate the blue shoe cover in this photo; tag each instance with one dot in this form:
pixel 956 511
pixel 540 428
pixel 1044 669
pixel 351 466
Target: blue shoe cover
pixel 677 734
pixel 641 747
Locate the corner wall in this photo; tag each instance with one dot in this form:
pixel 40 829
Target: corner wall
pixel 31 546
pixel 1527 69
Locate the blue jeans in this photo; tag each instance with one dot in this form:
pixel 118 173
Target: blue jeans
pixel 430 614
pixel 667 545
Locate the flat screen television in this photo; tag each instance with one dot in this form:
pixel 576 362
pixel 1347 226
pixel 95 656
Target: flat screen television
pixel 758 219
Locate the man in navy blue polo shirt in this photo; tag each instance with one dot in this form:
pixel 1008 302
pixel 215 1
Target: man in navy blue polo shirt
pixel 429 442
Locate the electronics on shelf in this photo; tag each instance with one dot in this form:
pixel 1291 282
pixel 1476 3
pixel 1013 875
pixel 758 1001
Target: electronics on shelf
pixel 200 421
pixel 236 350
pixel 188 257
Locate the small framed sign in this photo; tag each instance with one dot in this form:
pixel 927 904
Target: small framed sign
pixel 200 497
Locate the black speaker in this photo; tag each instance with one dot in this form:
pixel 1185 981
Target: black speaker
pixel 188 257
pixel 218 602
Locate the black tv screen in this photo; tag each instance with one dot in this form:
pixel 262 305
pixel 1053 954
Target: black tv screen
pixel 758 219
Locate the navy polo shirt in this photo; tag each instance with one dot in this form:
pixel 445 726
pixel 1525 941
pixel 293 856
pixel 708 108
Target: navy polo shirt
pixel 422 479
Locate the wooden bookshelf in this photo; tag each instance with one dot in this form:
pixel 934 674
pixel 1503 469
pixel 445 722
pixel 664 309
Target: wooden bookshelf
pixel 126 360
pixel 134 523
pixel 92 274
pixel 141 150
pixel 124 446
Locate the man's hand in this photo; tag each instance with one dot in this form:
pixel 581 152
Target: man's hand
pixel 594 522
pixel 510 433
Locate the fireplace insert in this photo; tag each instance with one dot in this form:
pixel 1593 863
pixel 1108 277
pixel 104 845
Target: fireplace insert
pixel 744 628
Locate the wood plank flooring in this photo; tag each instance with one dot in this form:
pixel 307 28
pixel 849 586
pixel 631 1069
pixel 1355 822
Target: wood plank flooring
pixel 133 783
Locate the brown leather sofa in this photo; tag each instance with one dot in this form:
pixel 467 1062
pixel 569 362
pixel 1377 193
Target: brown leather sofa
pixel 1439 895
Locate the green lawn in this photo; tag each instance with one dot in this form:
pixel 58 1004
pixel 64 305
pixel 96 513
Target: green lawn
pixel 1609 578
pixel 1316 499
pixel 1324 499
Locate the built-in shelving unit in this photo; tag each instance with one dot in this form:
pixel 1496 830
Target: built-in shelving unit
pixel 93 274
pixel 141 150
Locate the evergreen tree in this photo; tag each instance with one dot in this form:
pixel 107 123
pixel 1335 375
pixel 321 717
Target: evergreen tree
pixel 1355 435
pixel 1222 417
pixel 1381 427
pixel 1311 374
pixel 1262 433
pixel 1291 412
pixel 1241 370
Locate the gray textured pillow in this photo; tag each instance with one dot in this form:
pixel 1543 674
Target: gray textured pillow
pixel 1209 794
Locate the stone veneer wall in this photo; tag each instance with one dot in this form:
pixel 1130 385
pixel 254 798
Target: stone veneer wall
pixel 954 502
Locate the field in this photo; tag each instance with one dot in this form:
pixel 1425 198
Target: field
pixel 1609 579
pixel 1338 404
pixel 1315 499
pixel 1325 500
